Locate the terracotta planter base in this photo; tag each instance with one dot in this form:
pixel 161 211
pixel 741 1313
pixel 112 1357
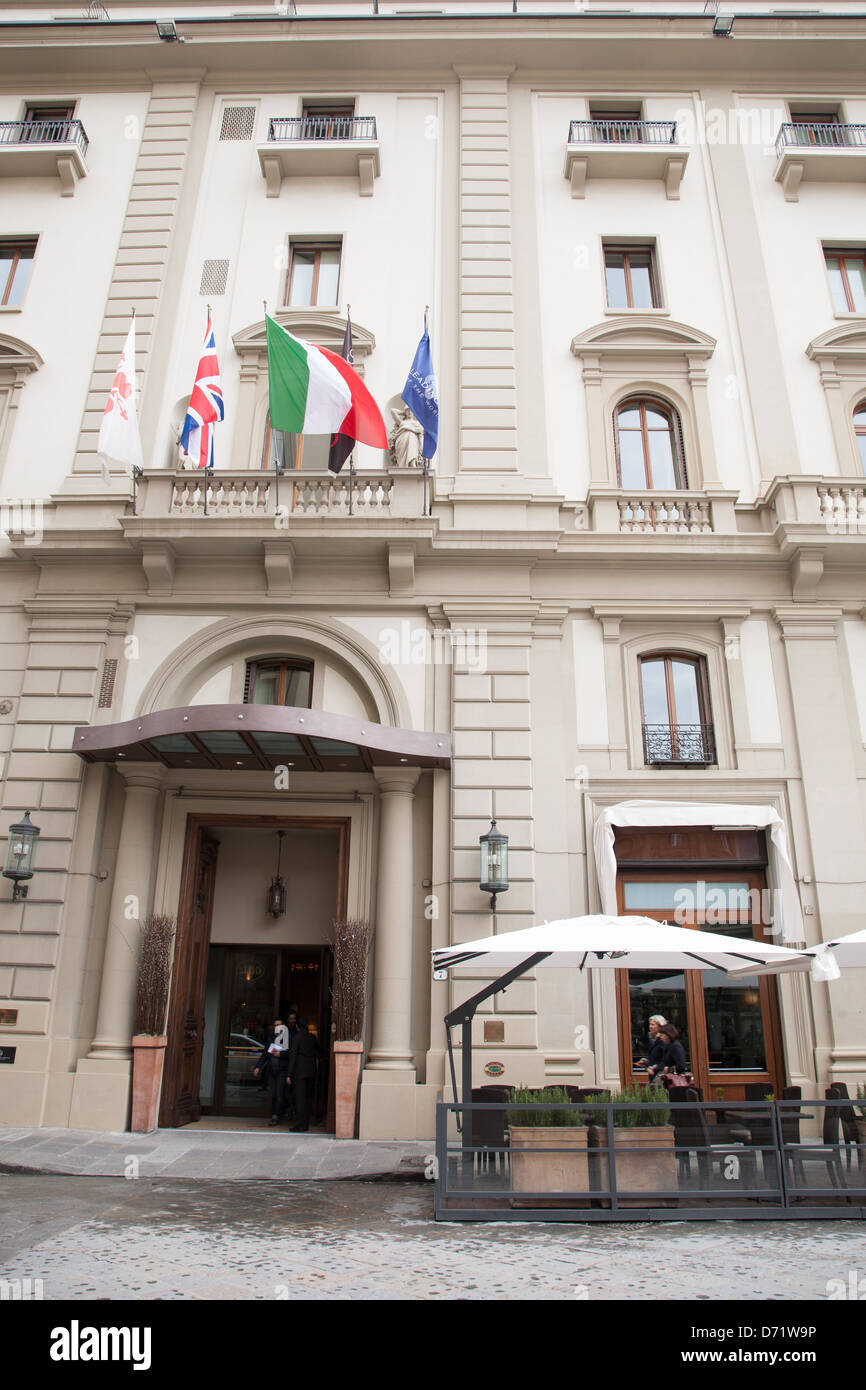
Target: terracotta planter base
pixel 148 1056
pixel 347 1071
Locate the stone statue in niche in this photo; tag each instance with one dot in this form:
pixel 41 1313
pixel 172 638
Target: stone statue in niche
pixel 407 439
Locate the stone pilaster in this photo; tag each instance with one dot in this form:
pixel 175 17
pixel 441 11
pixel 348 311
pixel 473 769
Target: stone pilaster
pixel 488 395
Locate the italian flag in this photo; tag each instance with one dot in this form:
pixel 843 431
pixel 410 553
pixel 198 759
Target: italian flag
pixel 313 391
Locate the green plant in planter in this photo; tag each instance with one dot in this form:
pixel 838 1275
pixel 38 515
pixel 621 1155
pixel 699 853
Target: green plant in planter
pixel 631 1119
pixel 553 1096
pixel 860 1103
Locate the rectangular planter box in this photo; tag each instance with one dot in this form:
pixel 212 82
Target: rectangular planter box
pixel 534 1170
pixel 636 1169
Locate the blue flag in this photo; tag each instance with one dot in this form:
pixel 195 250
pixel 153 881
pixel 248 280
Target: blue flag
pixel 421 396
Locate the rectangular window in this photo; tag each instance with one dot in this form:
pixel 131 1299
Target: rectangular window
pixel 620 124
pixel 314 274
pixel 46 124
pixel 675 708
pixel 327 120
pixel 847 272
pixel 16 262
pixel 276 682
pixel 630 277
pixel 817 127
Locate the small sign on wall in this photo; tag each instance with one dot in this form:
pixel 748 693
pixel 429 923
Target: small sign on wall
pixel 7 1054
pixel 8 1018
pixel 494 1069
pixel 494 1030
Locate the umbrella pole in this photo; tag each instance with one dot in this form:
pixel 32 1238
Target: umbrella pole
pixel 464 1015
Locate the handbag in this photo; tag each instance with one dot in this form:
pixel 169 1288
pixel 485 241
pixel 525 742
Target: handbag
pixel 673 1080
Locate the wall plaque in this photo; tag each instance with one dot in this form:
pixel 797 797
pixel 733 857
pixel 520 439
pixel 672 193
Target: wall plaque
pixel 8 1018
pixel 494 1030
pixel 7 1054
pixel 494 1069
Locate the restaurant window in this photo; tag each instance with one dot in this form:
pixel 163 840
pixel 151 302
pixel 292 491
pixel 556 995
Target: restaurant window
pixel 314 274
pixel 278 681
pixel 631 279
pixel 649 450
pixel 676 719
pixel 702 880
pixel 860 432
pixel 16 263
pixel 847 273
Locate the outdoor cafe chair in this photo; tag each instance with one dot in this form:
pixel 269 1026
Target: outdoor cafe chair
pixel 827 1152
pixel 488 1128
pixel 848 1119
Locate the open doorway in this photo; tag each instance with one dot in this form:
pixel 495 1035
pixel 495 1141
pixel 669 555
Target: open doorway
pixel 247 988
pixel 237 967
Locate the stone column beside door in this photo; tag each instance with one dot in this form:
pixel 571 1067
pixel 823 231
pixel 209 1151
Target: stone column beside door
pixel 100 1095
pixel 388 1084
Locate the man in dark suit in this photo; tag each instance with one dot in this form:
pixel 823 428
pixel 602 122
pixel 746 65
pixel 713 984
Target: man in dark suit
pixel 302 1074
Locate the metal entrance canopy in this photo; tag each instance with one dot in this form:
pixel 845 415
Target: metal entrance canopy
pixel 255 737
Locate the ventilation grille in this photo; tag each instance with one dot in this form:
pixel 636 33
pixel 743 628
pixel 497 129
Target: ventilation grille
pixel 238 122
pixel 106 689
pixel 214 277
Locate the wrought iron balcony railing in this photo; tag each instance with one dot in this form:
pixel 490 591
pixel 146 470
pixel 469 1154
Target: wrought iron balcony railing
pixel 679 743
pixel 321 128
pixel 619 132
pixel 60 132
pixel 826 135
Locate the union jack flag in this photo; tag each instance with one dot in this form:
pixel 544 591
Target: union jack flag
pixel 206 406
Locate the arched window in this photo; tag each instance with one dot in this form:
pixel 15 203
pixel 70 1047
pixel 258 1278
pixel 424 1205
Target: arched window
pixel 860 432
pixel 279 681
pixel 649 452
pixel 675 709
pixel 308 451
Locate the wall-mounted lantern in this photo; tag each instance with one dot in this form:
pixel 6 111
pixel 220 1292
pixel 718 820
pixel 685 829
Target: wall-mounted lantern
pixel 19 856
pixel 277 890
pixel 494 863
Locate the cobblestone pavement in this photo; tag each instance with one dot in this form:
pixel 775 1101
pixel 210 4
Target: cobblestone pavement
pixel 106 1238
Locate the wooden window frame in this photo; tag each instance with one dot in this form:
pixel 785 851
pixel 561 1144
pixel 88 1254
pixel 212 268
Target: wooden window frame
pixel 626 250
pixel 61 112
pixel 318 247
pixel 285 665
pixel 654 403
pixel 702 684
pixel 841 254
pixel 16 247
pixel 731 1083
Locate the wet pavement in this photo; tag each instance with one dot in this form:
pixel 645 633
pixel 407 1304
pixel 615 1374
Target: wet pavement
pixel 108 1238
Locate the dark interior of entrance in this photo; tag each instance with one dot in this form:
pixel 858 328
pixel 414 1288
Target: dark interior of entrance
pixel 247 989
pixel 239 966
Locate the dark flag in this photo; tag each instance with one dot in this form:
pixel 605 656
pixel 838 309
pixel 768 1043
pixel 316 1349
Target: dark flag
pixel 342 444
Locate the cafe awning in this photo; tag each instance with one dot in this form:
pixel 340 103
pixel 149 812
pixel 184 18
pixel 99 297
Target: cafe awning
pixel 252 737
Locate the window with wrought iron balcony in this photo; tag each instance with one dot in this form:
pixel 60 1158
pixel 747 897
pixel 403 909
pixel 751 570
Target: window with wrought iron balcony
pixel 47 141
pixel 325 141
pixel 819 145
pixel 620 144
pixel 675 707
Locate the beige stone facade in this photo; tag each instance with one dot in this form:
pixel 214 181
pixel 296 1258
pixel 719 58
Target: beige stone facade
pixel 512 619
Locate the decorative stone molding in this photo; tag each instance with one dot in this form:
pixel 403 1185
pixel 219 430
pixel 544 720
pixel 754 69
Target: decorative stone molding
pixel 841 357
pixel 647 355
pixel 17 360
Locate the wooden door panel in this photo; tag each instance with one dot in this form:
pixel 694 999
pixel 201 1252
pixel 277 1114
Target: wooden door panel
pixel 180 1102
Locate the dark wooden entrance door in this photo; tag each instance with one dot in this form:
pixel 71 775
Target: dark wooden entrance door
pixel 180 1090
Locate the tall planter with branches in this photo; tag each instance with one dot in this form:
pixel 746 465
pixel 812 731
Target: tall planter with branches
pixel 352 939
pixel 151 1007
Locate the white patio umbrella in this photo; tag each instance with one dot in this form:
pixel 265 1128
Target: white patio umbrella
pixel 634 943
pixel 847 950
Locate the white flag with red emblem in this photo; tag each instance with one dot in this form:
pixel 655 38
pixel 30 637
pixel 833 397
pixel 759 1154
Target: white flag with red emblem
pixel 119 440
